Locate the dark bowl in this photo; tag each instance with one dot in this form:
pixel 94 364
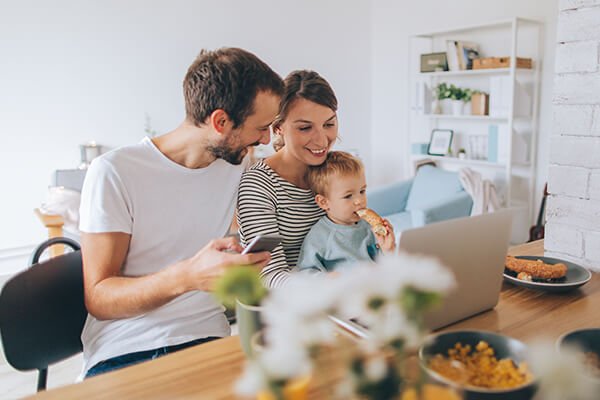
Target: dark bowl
pixel 504 347
pixel 584 340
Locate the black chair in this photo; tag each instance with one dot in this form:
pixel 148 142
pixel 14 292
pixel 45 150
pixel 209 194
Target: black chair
pixel 42 311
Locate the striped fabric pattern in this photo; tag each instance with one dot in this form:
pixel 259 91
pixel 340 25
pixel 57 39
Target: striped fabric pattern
pixel 270 205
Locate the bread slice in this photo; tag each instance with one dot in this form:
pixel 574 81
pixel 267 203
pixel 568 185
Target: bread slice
pixel 374 220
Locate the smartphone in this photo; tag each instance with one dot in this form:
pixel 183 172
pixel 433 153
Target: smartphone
pixel 262 243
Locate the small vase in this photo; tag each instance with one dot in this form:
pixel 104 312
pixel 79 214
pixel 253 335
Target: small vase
pixel 457 107
pixel 436 107
pixel 249 323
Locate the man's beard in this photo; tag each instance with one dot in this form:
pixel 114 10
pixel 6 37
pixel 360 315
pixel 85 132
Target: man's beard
pixel 228 154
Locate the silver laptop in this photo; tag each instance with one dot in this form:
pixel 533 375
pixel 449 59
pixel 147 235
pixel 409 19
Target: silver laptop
pixel 474 249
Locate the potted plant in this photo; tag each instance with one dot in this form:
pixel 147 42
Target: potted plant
pixel 241 288
pixel 458 97
pixel 440 93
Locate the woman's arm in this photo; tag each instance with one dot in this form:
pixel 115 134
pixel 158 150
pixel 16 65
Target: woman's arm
pixel 257 215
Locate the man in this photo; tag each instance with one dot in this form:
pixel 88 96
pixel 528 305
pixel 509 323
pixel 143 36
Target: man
pixel 148 208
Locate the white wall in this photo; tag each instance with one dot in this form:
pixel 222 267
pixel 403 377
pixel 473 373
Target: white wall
pixel 393 22
pixel 73 71
pixel 573 226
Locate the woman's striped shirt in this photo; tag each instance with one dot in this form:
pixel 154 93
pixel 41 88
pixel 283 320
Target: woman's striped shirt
pixel 269 205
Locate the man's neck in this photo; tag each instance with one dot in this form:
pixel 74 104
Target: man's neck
pixel 186 146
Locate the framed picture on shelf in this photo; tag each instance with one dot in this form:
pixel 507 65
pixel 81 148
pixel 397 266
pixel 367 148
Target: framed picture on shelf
pixel 434 62
pixel 441 140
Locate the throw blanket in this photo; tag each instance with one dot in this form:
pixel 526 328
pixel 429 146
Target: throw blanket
pixel 64 202
pixel 482 191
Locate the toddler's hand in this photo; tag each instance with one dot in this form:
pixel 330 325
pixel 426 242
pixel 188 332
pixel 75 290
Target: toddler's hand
pixel 387 243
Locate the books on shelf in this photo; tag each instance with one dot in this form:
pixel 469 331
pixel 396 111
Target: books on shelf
pixel 497 145
pixel 460 54
pixel 500 98
pixel 421 98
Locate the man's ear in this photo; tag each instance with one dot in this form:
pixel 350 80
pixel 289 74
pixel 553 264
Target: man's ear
pixel 322 202
pixel 219 121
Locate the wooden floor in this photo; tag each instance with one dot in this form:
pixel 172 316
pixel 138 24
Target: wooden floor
pixel 15 384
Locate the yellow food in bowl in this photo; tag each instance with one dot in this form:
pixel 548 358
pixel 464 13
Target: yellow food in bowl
pixel 480 368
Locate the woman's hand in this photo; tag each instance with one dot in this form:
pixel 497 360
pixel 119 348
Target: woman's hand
pixel 387 243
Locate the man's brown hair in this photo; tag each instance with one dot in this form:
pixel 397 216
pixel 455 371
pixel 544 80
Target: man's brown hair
pixel 228 79
pixel 338 163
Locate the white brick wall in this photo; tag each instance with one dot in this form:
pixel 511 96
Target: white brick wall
pixel 573 208
pixel 576 57
pixel 577 88
pixel 568 181
pixel 596 122
pixel 564 239
pixel 594 189
pixel 579 24
pixel 572 4
pixel 574 120
pixel 582 213
pixel 592 246
pixel 575 151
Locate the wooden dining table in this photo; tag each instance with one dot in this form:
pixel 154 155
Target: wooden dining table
pixel 209 371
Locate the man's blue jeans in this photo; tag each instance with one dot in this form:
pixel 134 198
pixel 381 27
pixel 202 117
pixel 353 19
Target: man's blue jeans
pixel 134 358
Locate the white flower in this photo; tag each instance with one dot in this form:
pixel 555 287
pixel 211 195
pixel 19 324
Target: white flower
pixel 304 295
pixel 251 381
pixel 385 282
pixel 375 367
pixel 284 362
pixel 561 374
pixel 395 325
pixel 420 272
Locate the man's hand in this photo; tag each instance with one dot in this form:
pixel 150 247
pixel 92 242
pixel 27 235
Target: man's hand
pixel 387 243
pixel 216 257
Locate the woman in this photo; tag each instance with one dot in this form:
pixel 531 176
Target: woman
pixel 274 198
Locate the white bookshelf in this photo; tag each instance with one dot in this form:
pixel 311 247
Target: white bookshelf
pixel 484 118
pixel 515 37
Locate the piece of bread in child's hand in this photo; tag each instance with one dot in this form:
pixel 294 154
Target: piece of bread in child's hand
pixel 374 220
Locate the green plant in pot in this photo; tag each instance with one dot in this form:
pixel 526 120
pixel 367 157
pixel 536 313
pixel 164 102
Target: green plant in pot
pixel 241 288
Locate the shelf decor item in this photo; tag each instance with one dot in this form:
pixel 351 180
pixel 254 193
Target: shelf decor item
pixel 501 62
pixel 441 140
pixel 480 103
pixel 433 62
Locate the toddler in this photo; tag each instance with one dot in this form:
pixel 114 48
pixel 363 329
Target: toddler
pixel 341 236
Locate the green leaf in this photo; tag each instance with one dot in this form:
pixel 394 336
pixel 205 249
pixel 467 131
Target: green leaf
pixel 241 283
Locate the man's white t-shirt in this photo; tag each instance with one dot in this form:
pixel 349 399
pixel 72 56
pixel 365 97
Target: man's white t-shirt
pixel 171 212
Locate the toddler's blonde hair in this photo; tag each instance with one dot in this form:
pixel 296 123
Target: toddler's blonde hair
pixel 337 163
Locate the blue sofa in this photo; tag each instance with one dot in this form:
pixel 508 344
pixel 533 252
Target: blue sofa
pixel 433 195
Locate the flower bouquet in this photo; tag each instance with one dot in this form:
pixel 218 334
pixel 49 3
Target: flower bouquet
pixel 389 297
